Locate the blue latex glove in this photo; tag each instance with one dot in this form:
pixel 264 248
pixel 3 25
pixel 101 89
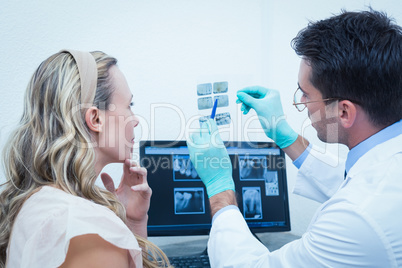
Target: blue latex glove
pixel 210 159
pixel 267 104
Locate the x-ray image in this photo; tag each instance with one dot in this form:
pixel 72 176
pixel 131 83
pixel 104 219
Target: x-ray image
pixel 252 167
pixel 183 169
pixel 204 119
pixel 205 103
pixel 222 119
pixel 189 201
pixel 220 87
pixel 223 100
pixel 252 202
pixel 204 89
pixel 271 183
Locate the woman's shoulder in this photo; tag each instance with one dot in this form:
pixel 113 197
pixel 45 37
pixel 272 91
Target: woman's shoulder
pixel 50 204
pixel 50 218
pixel 55 198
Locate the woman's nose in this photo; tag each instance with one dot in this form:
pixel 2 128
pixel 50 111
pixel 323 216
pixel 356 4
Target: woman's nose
pixel 136 120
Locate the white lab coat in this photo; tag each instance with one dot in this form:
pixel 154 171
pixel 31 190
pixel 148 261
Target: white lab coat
pixel 359 223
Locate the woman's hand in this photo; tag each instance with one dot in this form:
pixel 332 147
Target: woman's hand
pixel 134 193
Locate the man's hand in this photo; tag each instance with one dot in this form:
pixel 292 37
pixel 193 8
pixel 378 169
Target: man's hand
pixel 210 159
pixel 267 104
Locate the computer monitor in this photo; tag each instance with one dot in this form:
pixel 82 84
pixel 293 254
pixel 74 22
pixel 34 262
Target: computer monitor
pixel 179 202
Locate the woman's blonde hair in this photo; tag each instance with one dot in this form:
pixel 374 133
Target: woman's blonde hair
pixel 52 146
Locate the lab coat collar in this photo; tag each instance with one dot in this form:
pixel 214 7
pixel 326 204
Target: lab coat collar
pixel 380 153
pixel 362 148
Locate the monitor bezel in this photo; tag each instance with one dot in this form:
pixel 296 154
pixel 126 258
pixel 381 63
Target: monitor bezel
pixel 205 231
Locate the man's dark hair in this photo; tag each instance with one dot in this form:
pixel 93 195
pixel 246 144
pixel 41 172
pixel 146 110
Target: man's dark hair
pixel 357 56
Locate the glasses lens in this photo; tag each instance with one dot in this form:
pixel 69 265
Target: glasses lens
pixel 297 99
pixel 298 95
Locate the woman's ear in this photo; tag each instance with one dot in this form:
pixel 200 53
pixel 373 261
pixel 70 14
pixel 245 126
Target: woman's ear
pixel 93 119
pixel 347 113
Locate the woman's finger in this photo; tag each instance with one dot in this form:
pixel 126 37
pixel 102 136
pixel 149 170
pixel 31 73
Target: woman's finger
pixel 140 171
pixel 143 187
pixel 131 163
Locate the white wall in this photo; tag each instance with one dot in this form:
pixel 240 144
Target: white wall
pixel 165 48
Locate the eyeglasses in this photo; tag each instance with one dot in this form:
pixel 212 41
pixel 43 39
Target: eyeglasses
pixel 300 106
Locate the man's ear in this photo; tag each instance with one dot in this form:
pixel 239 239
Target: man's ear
pixel 347 113
pixel 93 119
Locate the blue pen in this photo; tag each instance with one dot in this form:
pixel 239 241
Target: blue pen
pixel 212 115
pixel 214 109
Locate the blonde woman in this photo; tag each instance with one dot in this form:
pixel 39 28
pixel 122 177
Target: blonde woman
pixel 77 118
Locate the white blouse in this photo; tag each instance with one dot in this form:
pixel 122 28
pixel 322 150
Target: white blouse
pixel 50 218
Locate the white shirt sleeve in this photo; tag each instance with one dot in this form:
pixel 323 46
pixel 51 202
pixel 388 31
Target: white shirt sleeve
pixel 320 176
pixel 231 244
pixel 331 242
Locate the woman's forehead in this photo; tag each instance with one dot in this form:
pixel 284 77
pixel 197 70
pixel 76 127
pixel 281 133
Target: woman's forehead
pixel 121 90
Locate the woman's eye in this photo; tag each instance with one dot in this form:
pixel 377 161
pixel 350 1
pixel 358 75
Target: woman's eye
pixel 131 104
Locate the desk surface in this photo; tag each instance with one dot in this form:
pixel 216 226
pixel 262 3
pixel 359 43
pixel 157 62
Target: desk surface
pixel 192 245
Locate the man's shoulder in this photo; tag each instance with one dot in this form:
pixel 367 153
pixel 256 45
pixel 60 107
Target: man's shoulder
pixel 381 154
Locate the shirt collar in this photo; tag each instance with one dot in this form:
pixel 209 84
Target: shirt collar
pixel 359 150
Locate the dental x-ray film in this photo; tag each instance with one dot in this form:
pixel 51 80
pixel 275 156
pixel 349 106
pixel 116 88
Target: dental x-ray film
pixel 222 119
pixel 220 87
pixel 208 99
pixel 204 89
pixel 223 100
pixel 203 119
pixel 204 103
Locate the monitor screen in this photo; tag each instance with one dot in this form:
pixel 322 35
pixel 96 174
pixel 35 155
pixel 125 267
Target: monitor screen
pixel 179 202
